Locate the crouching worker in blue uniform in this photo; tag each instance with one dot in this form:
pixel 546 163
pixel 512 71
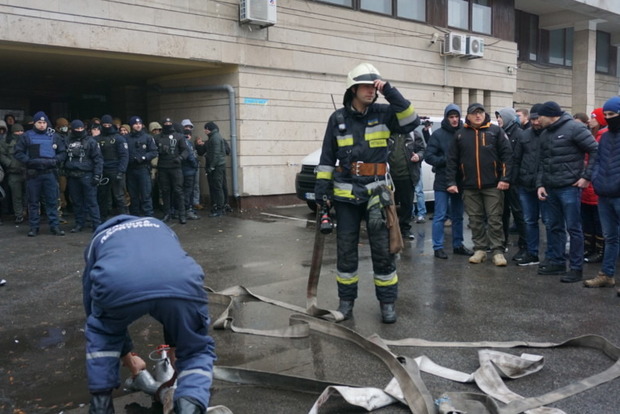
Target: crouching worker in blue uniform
pixel 134 267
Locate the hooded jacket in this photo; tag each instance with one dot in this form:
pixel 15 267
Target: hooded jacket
pixel 353 137
pixel 526 159
pixel 438 148
pixel 483 156
pixel 132 259
pixel 216 149
pixel 564 145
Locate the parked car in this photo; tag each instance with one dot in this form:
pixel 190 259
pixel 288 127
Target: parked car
pixel 306 178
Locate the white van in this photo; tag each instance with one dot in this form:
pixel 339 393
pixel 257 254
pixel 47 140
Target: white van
pixel 306 178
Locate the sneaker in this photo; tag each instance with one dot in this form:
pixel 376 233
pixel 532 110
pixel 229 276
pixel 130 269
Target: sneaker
pixel 601 280
pixel 440 254
pixel 198 207
pixel 499 259
pixel 573 275
pixel 447 223
pixel 420 219
pixel 2 282
pixel 56 231
pixel 406 234
pixel 388 312
pixel 463 251
pixel 521 254
pixel 19 219
pixel 346 308
pixel 192 216
pixel 33 232
pixel 551 269
pixel 478 257
pixel 528 260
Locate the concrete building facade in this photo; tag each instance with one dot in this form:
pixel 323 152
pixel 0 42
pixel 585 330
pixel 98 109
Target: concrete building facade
pixel 271 88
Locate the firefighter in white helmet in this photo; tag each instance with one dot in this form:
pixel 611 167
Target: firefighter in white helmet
pixel 357 138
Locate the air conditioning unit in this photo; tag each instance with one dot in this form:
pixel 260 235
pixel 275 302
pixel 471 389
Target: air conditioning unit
pixel 454 44
pixel 475 47
pixel 258 12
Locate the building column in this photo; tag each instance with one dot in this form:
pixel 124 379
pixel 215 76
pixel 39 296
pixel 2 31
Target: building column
pixel 584 67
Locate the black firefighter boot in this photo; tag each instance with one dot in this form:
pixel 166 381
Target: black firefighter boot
pixel 101 403
pixel 346 308
pixel 187 405
pixel 388 312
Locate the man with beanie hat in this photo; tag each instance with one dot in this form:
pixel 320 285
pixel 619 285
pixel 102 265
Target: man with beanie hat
pixel 507 120
pixel 216 166
pixel 142 150
pixel 562 174
pixel 62 129
pixel 351 173
pixel 115 159
pixel 437 155
pixel 14 170
pixel 172 150
pixel 83 167
pixel 593 241
pixel 481 151
pixel 606 171
pixel 526 158
pixel 41 150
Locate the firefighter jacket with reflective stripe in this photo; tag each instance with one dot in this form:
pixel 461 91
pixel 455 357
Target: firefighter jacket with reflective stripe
pixel 483 155
pixel 352 137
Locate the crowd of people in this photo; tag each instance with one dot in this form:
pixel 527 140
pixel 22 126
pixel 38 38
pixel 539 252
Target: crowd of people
pixel 101 167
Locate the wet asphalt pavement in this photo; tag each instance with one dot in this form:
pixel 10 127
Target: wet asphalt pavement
pixel 269 252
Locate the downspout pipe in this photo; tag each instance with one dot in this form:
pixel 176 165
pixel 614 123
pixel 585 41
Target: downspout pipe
pixel 232 108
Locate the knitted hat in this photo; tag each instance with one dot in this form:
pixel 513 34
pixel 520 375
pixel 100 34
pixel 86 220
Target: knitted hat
pixel 135 120
pixel 40 116
pixel 17 127
pixel 550 108
pixel 107 119
pixel 61 122
pixel 154 125
pixel 534 111
pixel 76 123
pixel 474 107
pixel 451 108
pixel 3 125
pixel 211 126
pixel 127 127
pixel 612 105
pixel 600 118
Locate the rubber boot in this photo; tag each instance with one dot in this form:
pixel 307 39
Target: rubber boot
pixel 101 403
pixel 187 405
pixel 388 312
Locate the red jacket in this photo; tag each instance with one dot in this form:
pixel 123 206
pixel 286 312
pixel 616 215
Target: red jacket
pixel 588 196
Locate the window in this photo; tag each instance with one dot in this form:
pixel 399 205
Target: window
pixel 411 9
pixel 406 9
pixel 602 52
pixel 346 3
pixel 378 6
pixel 561 47
pixel 478 12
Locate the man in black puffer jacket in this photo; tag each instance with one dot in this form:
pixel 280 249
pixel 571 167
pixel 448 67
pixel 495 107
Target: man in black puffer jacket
pixel 562 174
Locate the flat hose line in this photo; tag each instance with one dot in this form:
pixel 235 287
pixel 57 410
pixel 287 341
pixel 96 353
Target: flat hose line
pixel 407 385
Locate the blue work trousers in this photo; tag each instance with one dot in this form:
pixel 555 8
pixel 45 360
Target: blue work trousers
pixel 185 325
pixel 84 198
pixel 533 211
pixel 140 190
pixel 42 186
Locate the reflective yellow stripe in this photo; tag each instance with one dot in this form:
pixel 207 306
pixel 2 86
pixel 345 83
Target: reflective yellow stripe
pixel 389 282
pixel 377 132
pixel 378 143
pixel 324 175
pixel 343 193
pixel 407 116
pixel 344 140
pixel 347 280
